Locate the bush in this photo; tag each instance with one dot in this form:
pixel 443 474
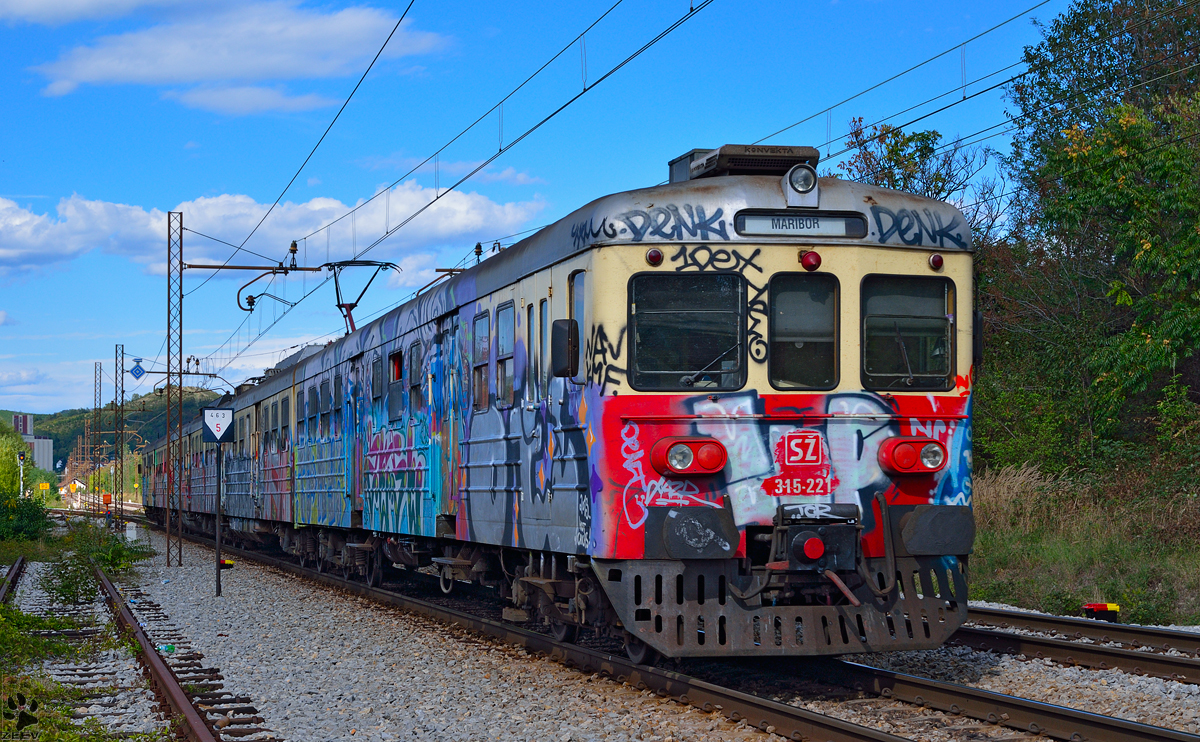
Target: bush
pixel 22 518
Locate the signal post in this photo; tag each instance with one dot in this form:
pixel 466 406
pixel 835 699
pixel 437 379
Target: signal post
pixel 218 429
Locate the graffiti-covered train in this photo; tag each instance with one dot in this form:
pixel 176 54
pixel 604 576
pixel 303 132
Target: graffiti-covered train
pixel 725 416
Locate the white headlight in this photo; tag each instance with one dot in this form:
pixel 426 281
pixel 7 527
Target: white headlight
pixel 932 455
pixel 679 456
pixel 802 178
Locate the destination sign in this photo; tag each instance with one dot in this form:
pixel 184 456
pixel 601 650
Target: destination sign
pixel 794 224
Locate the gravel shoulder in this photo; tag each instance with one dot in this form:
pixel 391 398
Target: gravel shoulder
pixel 322 665
pixel 1164 703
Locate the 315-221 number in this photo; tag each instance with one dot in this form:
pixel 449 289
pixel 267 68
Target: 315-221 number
pixel 801 486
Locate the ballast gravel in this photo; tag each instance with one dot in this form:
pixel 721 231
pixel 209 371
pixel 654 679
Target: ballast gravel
pixel 1163 703
pixel 323 666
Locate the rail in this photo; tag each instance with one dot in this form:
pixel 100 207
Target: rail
pixel 1059 722
pixel 10 579
pixel 161 675
pixel 762 713
pixel 1077 628
pixel 1094 656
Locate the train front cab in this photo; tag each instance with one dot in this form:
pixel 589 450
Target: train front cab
pixel 833 514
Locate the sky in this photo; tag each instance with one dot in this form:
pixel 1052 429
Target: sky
pixel 115 112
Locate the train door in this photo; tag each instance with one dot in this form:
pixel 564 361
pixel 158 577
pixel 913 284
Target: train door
pixel 354 437
pixel 569 490
pixel 437 517
pixel 536 475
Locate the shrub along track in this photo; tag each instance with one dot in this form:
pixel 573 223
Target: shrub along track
pixel 173 701
pixel 914 694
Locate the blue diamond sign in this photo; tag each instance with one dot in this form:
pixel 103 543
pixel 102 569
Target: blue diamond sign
pixel 137 371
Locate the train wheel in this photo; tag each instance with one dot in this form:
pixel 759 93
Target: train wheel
pixel 639 651
pixel 564 632
pixel 375 579
pixel 321 565
pixel 347 570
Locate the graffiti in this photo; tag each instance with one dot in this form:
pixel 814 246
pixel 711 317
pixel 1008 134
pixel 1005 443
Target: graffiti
pixel 602 354
pixel 583 233
pixel 643 493
pixel 705 258
pixel 660 222
pixel 810 510
pixel 748 461
pixel 908 225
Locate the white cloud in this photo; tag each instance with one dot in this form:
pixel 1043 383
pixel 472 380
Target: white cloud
pixel 239 44
pixel 29 241
pixel 246 99
pixel 54 12
pixel 4 320
pixel 508 175
pixel 314 182
pixel 27 377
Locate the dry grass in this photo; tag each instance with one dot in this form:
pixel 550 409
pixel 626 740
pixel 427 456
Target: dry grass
pixel 1055 542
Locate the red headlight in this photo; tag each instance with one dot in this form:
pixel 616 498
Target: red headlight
pixel 912 455
pixel 687 457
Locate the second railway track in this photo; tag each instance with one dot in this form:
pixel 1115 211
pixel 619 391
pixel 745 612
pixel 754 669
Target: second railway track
pixel 993 709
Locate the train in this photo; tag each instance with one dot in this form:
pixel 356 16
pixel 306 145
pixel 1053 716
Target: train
pixel 725 416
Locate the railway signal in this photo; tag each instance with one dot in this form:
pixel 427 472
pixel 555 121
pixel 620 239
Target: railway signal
pixel 218 429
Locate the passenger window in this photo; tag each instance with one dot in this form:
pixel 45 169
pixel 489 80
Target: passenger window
pixel 687 331
pixel 396 391
pixel 803 346
pixel 326 402
pixel 338 404
pixel 506 330
pixel 275 424
pixel 531 355
pixel 908 340
pixel 416 374
pixel 376 378
pixel 479 359
pixel 578 307
pixel 313 410
pixel 543 345
pixel 285 419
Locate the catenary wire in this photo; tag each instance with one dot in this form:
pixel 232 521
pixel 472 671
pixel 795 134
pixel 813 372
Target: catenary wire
pixel 314 149
pixel 474 123
pixel 663 34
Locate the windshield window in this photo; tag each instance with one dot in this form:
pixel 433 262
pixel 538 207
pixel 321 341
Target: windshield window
pixel 803 353
pixel 687 331
pixel 907 333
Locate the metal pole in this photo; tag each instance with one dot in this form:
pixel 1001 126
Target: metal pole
pixel 97 405
pixel 220 456
pixel 21 486
pixel 119 433
pixel 175 384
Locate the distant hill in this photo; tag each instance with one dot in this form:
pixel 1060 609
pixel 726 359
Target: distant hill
pixel 145 420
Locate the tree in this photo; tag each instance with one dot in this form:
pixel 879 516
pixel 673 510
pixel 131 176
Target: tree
pixel 1132 185
pixel 1097 55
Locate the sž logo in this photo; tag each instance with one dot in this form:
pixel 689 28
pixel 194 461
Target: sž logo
pixel 803 448
pixel 21 711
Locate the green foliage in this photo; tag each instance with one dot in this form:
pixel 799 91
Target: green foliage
pixel 71 579
pixel 21 645
pixel 49 708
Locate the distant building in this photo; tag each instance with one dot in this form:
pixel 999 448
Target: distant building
pixel 23 424
pixel 43 450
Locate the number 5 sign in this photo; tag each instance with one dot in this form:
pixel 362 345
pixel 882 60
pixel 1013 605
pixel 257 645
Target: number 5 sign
pixel 218 425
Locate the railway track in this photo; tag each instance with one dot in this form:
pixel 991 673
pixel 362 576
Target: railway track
pixel 1149 637
pixel 112 686
pixel 994 710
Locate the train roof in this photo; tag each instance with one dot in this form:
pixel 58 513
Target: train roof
pixel 700 210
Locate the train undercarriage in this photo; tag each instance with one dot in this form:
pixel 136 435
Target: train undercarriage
pixel 671 607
